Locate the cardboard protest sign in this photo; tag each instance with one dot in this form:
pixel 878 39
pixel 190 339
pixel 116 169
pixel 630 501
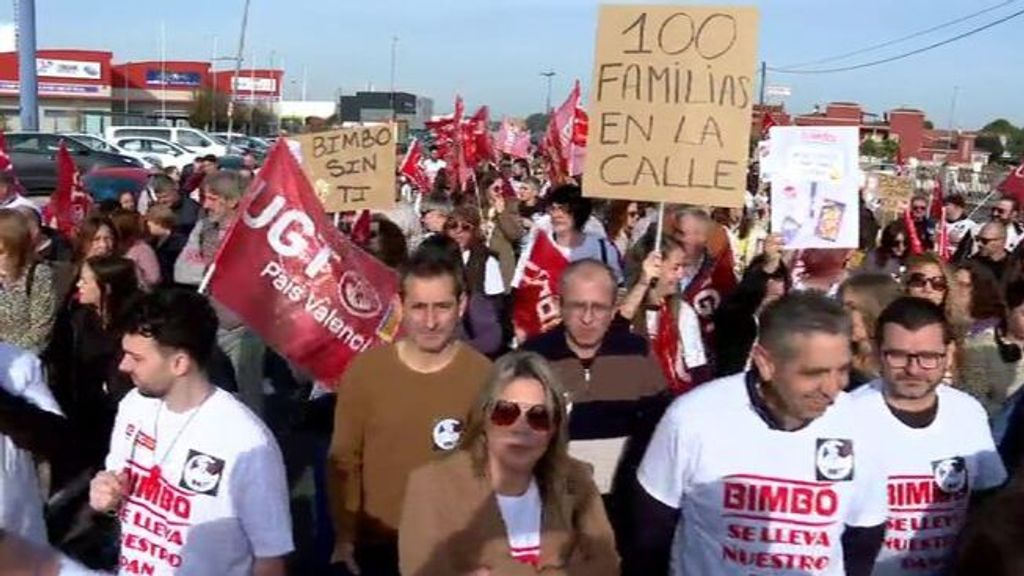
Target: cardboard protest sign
pixel 893 193
pixel 351 168
pixel 815 186
pixel 670 104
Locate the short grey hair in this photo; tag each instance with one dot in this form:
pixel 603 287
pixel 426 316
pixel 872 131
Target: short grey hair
pixel 588 267
pixel 800 313
pixel 227 184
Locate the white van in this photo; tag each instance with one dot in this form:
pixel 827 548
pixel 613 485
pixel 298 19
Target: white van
pixel 194 140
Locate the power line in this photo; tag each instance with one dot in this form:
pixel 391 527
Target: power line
pixel 874 47
pixel 905 54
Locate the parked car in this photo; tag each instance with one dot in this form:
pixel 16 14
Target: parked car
pixel 192 139
pixel 109 183
pixel 98 143
pixel 34 155
pixel 158 149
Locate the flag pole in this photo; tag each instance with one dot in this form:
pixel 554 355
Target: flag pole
pixel 660 229
pixel 204 283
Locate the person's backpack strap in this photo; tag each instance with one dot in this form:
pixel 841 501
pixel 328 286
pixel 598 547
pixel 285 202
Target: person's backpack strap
pixel 604 250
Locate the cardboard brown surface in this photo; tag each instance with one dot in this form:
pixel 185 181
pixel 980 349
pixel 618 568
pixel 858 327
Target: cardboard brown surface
pixel 670 104
pixel 351 168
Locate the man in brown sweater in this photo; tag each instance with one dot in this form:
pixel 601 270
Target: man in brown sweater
pixel 400 406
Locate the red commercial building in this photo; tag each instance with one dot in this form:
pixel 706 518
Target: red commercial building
pixel 84 91
pixel 907 126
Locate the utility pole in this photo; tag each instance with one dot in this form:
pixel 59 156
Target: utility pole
pixel 28 89
pixel 163 73
pixel 547 101
pixel 238 71
pixel 394 46
pixel 213 87
pixel 764 79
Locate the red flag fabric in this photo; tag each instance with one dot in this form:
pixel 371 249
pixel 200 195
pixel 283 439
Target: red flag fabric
pixel 1013 184
pixel 70 203
pixel 477 141
pixel 535 310
pixel 767 123
pixel 6 165
pixel 938 201
pixel 561 134
pixel 915 241
pixel 665 345
pixel 714 282
pixel 361 229
pixel 513 140
pixel 293 278
pixel 942 243
pixel 412 167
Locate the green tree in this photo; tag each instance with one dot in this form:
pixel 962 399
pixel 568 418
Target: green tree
pixel 1001 126
pixel 869 147
pixel 537 123
pixel 888 149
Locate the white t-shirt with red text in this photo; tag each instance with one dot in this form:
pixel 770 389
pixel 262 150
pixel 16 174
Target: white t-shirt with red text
pixel 931 473
pixel 521 515
pixel 221 497
pixel 754 499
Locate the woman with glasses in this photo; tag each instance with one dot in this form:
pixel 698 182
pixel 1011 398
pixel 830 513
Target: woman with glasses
pixel 502 228
pixel 889 255
pixel 568 212
pixel 928 277
pixel 511 500
pixel 483 271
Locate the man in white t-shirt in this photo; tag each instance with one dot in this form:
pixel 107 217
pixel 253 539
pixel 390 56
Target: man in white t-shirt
pixel 194 477
pixel 434 164
pixel 936 446
pixel 766 472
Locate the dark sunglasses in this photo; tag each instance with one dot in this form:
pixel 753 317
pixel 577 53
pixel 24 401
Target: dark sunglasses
pixel 453 225
pixel 505 413
pixel 918 280
pixel 920 208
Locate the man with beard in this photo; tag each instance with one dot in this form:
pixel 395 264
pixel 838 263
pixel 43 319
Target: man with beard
pixel 765 471
pixel 399 406
pixel 936 446
pixel 195 478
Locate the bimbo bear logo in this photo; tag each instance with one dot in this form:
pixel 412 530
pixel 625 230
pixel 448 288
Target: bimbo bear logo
pixel 834 459
pixel 950 474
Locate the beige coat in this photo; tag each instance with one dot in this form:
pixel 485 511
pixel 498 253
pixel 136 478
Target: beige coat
pixel 451 525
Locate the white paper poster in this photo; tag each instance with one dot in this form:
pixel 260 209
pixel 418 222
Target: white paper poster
pixel 815 180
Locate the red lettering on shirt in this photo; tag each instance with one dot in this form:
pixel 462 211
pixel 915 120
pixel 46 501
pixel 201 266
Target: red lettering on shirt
pixel 780 497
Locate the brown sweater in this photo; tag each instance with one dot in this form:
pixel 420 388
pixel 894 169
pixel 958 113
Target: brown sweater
pixel 452 526
pixel 390 420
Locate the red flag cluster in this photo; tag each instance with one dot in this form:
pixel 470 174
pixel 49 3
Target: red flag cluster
pixel 6 166
pixel 293 278
pixel 565 141
pixel 70 203
pixel 463 142
pixel 412 167
pixel 1013 184
pixel 513 140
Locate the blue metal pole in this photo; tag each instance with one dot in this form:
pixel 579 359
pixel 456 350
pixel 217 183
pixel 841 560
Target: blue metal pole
pixel 29 84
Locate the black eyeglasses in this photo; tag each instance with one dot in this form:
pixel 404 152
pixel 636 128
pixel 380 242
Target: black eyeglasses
pixel 902 358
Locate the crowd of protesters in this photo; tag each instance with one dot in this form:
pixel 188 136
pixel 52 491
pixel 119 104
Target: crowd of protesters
pixel 707 403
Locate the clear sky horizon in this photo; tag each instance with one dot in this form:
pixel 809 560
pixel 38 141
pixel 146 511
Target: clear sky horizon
pixel 492 51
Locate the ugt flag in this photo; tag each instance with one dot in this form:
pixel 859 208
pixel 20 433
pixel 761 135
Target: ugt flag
pixel 70 203
pixel 294 279
pixel 535 310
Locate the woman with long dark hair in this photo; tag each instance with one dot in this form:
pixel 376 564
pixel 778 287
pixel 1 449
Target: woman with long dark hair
pixel 892 250
pixel 93 385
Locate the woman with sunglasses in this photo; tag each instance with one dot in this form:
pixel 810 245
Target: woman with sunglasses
pixel 928 277
pixel 511 500
pixel 502 228
pixel 621 221
pixel 483 271
pixel 889 255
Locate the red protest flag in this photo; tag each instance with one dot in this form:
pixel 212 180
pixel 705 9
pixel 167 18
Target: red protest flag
pixel 361 229
pixel 665 345
pixel 714 282
pixel 767 123
pixel 915 241
pixel 937 201
pixel 942 245
pixel 535 310
pixel 412 167
pixel 1013 184
pixel 513 140
pixel 294 279
pixel 70 203
pixel 477 138
pixel 6 165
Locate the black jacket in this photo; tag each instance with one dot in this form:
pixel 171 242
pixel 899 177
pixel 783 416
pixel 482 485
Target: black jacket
pixel 737 315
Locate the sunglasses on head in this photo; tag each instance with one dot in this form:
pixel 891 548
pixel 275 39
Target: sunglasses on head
pixel 505 413
pixel 920 208
pixel 918 280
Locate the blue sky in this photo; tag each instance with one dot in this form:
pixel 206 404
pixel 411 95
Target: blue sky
pixel 491 51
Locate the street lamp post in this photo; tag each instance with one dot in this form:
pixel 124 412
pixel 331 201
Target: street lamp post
pixel 238 70
pixel 547 102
